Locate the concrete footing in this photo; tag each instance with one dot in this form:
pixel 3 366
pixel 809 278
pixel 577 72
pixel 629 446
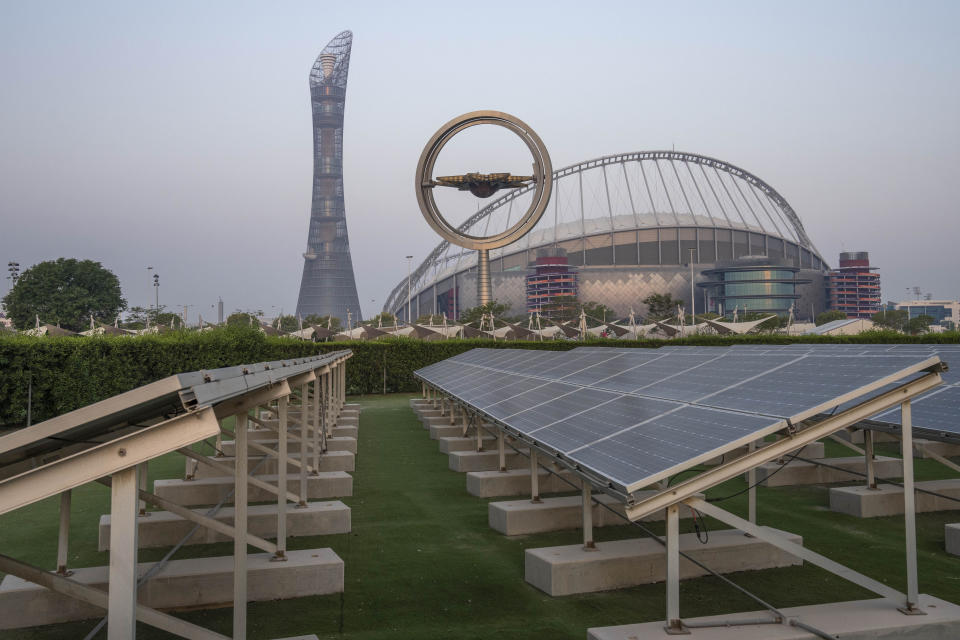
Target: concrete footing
pixel 856 620
pixel 887 500
pixel 189 493
pixel 456 443
pixel 329 461
pixel 165 529
pixel 773 474
pixel 183 584
pixel 521 517
pixel 464 461
pixel 561 571
pixel 856 437
pixel 438 431
pixel 516 482
pixel 951 533
pixel 345 432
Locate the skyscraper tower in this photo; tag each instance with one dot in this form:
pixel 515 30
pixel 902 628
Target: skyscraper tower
pixel 328 286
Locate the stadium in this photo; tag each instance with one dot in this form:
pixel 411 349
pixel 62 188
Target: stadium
pixel 622 227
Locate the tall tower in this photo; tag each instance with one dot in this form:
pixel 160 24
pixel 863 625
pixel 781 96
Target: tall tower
pixel 328 286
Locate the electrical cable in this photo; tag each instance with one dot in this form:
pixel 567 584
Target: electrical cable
pixel 863 475
pixel 793 457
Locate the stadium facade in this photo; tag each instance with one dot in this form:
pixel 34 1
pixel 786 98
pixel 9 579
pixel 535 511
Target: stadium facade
pixel 629 225
pixel 328 286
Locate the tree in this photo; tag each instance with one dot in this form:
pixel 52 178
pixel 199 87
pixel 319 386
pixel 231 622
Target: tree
pixel 321 321
pixel 829 316
pixel 473 314
pixel 241 319
pixel 288 324
pixel 597 313
pixel 920 324
pixel 660 306
pixel 895 319
pixel 65 291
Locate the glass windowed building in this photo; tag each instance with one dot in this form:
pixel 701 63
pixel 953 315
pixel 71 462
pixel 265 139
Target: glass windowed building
pixel 752 285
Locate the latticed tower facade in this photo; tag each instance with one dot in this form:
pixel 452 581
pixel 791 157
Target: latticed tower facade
pixel 328 286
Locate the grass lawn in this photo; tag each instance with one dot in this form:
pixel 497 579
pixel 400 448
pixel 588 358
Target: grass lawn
pixel 421 561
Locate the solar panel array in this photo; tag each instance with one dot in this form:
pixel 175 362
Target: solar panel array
pixel 637 416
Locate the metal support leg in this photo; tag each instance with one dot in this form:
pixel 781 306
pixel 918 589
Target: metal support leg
pixel 674 623
pixel 63 541
pixel 868 454
pixel 317 427
pixel 122 589
pixel 453 413
pixel 478 421
pixel 909 508
pixel 587 503
pixel 534 477
pixel 502 451
pixel 752 492
pixel 281 553
pixel 304 439
pixel 240 525
pixel 465 422
pixel 218 446
pixel 142 471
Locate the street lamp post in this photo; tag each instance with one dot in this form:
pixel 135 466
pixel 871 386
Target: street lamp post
pixel 409 309
pixel 156 292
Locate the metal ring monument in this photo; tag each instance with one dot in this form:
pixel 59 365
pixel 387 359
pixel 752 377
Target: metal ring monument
pixel 483 186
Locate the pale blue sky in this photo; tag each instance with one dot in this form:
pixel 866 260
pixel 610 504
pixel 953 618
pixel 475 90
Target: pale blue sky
pixel 177 134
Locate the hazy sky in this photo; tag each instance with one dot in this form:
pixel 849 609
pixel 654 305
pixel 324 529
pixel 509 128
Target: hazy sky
pixel 178 135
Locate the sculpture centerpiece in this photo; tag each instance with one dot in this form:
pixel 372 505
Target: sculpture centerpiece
pixel 484 185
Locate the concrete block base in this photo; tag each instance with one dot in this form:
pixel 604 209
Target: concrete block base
pixel 464 461
pixel 887 500
pixel 952 534
pixel 561 571
pixel 329 461
pixel 857 436
pixel 438 431
pixel 516 482
pixel 456 443
pixel 165 529
pixel 193 583
pixel 521 517
pixel 798 472
pixel 345 432
pixel 856 620
pixel 323 486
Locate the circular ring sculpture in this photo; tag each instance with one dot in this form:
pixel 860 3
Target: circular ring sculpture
pixel 542 179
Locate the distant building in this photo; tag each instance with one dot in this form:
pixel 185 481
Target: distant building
pixel 847 327
pixel 854 286
pixel 752 284
pixel 550 277
pixel 946 313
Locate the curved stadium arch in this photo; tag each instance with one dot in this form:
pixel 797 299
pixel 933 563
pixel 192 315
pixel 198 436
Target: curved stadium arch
pixel 628 223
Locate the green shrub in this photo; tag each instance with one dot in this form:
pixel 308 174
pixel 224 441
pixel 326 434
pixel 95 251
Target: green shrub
pixel 68 373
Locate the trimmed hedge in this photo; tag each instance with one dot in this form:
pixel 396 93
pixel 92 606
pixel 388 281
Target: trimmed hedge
pixel 68 373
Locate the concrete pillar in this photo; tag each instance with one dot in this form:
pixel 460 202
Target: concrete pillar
pixel 122 588
pixel 63 541
pixel 240 531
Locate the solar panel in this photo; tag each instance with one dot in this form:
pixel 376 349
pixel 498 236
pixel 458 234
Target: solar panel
pixel 637 416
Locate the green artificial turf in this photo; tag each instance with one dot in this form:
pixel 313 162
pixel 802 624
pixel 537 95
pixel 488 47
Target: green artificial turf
pixel 421 561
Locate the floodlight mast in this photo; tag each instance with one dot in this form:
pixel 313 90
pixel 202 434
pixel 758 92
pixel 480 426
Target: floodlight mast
pixel 484 185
